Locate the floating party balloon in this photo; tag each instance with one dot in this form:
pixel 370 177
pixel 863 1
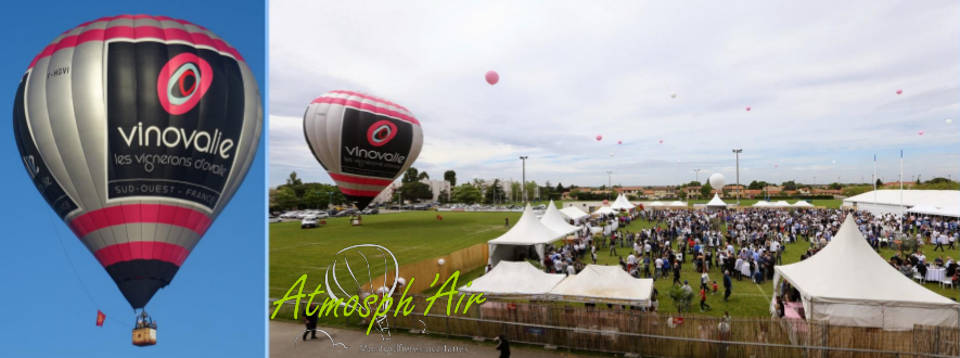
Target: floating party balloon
pixel 660 141
pixel 899 91
pixel 119 89
pixel 717 180
pixel 748 108
pixel 776 165
pixel 920 133
pixel 619 142
pixel 599 137
pixel 363 142
pixel 492 77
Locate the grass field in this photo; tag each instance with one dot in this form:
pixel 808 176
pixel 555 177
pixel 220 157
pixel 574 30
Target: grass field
pixel 414 236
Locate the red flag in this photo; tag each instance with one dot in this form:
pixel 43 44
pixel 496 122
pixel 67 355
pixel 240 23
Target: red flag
pixel 100 318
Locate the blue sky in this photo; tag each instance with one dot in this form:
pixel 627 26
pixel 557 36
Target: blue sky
pixel 214 306
pixel 820 77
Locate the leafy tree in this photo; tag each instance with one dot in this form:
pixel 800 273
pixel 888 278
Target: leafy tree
pixel 444 197
pixel 560 188
pixel 835 186
pixel 416 190
pixel 938 180
pixel 789 185
pixel 531 187
pixel 285 198
pixel 856 189
pixel 705 190
pixel 466 193
pixel 451 177
pixel 494 193
pixel 423 175
pixel 411 175
pixel 314 199
pixel 293 180
pixel 879 183
pixel 515 191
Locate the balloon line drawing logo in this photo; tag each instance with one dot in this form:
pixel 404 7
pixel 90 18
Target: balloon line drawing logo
pixel 182 82
pixel 381 132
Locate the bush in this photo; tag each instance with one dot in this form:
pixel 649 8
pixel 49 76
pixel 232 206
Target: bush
pixel 681 298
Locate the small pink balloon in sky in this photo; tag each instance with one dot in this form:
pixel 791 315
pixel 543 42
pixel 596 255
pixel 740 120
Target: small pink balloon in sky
pixel 619 142
pixel 748 108
pixel 899 91
pixel 660 141
pixel 920 133
pixel 599 137
pixel 492 77
pixel 776 165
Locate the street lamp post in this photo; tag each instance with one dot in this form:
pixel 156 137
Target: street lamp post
pixel 523 182
pixel 737 152
pixel 696 175
pixel 610 181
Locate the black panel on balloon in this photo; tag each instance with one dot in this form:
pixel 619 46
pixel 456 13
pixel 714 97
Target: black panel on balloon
pixel 138 280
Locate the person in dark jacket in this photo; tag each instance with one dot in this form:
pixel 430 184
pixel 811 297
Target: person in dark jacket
pixel 503 345
pixel 727 285
pixel 311 322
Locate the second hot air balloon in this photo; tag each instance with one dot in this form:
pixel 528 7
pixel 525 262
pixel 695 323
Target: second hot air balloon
pixel 364 142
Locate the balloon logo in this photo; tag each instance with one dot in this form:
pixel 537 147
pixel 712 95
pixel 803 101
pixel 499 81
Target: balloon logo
pixel 363 142
pixel 748 108
pixel 599 137
pixel 182 82
pixel 148 99
pixel 899 92
pixel 492 77
pixel 381 133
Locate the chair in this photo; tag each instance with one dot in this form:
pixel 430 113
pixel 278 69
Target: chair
pixel 917 276
pixel 946 282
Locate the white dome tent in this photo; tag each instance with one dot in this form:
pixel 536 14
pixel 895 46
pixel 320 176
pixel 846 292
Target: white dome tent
pixel 604 284
pixel 802 204
pixel 848 284
pixel 554 220
pixel 716 202
pixel 879 202
pixel 622 203
pixel 574 213
pixel 527 233
pixel 761 204
pixel 514 279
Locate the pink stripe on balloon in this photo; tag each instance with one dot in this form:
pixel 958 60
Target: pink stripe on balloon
pixel 140 213
pixel 360 180
pixel 136 33
pixel 355 192
pixel 367 107
pixel 372 98
pixel 142 250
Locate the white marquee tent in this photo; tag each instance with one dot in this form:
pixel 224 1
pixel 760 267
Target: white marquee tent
pixel 934 210
pixel 527 233
pixel 847 283
pixel 554 220
pixel 622 203
pixel 802 204
pixel 761 204
pixel 677 204
pixel 781 204
pixel 604 210
pixel 514 279
pixel 880 202
pixel 574 213
pixel 604 284
pixel 716 202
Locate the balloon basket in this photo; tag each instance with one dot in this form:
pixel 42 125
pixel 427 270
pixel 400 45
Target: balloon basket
pixel 146 336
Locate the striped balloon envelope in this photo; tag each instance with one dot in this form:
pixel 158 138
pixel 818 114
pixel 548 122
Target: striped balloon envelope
pixel 137 130
pixel 363 142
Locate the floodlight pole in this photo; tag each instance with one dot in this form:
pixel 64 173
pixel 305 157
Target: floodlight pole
pixel 696 175
pixel 523 180
pixel 737 152
pixel 610 180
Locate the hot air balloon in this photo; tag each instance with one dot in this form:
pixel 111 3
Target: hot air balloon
pixel 920 133
pixel 138 130
pixel 716 180
pixel 599 137
pixel 492 77
pixel 748 108
pixel 363 142
pixel 899 91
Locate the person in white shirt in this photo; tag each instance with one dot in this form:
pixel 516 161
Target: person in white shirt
pixel 658 268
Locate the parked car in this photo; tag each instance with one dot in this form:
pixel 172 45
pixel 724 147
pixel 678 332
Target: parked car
pixel 345 212
pixel 308 222
pixel 273 219
pixel 370 211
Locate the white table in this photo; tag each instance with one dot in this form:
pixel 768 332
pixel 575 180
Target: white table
pixel 935 274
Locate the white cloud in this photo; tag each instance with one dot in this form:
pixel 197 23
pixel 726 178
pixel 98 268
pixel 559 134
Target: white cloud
pixel 820 77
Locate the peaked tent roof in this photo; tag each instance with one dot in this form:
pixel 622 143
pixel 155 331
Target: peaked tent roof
pixel 716 201
pixel 677 203
pixel 802 204
pixel 514 279
pixel 655 203
pixel 573 212
pixel 761 204
pixel 847 276
pixel 527 231
pixel 605 284
pixel 782 204
pixel 622 203
pixel 556 222
pixel 604 210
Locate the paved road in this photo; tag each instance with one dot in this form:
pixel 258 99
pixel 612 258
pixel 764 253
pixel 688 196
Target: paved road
pixel 285 342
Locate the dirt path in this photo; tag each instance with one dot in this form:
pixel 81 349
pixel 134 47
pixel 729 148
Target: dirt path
pixel 285 342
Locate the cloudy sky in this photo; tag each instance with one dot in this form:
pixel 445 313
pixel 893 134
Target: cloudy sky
pixel 820 77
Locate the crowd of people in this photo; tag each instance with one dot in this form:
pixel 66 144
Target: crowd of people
pixel 744 244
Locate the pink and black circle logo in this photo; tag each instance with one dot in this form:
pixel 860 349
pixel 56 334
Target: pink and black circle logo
pixel 381 132
pixel 182 82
